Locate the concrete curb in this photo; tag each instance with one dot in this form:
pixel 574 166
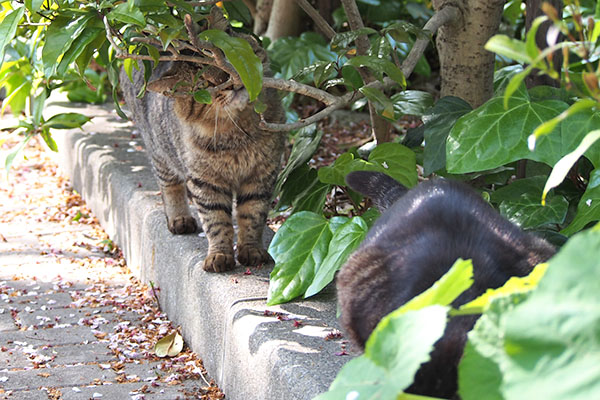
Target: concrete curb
pixel 252 354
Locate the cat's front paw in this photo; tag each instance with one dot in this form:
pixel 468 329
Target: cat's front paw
pixel 252 256
pixel 182 225
pixel 218 262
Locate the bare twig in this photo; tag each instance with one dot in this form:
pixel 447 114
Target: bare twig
pixel 300 88
pixel 448 14
pixel 317 18
pixel 356 23
pixel 109 36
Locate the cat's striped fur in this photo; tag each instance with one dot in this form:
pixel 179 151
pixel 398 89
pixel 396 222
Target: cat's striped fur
pixel 215 152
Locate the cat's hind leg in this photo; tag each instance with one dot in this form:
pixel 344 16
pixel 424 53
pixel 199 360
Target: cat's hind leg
pixel 175 201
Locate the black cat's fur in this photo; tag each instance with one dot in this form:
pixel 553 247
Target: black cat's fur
pixel 419 236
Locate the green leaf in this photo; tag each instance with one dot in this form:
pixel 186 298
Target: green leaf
pixel 323 72
pixel 445 290
pixel 551 341
pixel 298 247
pixel 344 241
pixel 562 167
pixel 335 174
pixel 241 56
pixel 392 159
pixel 342 40
pixel 382 103
pixel 237 10
pixel 352 78
pixel 59 36
pixel 400 31
pixel 10 158
pixel 45 133
pixel 548 126
pixel 588 208
pixel 532 186
pixel 202 96
pixel 479 377
pixel 379 65
pixel 312 198
pixel 66 121
pixel 396 349
pixel 508 47
pixel 8 28
pixel 411 102
pixel 528 213
pixel 127 13
pixel 516 284
pixel 438 123
pixel 288 55
pixel 295 184
pixel 305 144
pixel 77 47
pixel 491 136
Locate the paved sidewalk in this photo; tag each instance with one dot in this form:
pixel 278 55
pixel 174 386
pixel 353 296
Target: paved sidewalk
pixel 74 322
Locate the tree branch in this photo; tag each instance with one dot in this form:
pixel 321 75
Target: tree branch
pixel 446 15
pixel 317 18
pixel 301 88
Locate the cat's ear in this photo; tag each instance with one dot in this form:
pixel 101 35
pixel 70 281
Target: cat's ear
pixel 164 85
pixel 381 188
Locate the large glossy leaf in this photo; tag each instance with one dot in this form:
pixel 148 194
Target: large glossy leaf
pixel 392 159
pixel 382 103
pixel 59 36
pixel 335 174
pixel 588 209
pixel 528 212
pixel 545 343
pixel 344 241
pixel 438 123
pixel 491 135
pixel 78 46
pixel 298 247
pixel 394 353
pixel 411 102
pixel 8 28
pixel 241 56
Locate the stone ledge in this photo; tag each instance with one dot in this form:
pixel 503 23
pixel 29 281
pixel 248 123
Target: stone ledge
pixel 251 354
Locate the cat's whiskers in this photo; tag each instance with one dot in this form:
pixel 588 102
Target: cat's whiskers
pixel 235 123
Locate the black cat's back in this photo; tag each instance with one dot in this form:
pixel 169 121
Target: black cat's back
pixel 419 236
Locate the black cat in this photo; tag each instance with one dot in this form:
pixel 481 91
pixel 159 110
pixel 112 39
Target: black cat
pixel 419 236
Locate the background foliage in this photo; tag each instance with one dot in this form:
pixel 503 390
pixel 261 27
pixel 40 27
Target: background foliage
pixel 532 152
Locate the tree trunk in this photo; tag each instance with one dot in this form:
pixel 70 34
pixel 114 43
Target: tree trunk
pixel 466 68
pixel 284 20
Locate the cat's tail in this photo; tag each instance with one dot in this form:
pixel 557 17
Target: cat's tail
pixel 381 188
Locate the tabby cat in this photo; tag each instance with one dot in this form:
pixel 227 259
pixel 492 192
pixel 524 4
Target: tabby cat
pixel 418 237
pixel 215 153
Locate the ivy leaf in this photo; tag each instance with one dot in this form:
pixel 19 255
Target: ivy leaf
pixel 241 56
pixel 344 241
pixel 528 212
pixel 393 159
pixel 438 123
pixel 335 174
pixel 8 28
pixel 298 247
pixel 491 136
